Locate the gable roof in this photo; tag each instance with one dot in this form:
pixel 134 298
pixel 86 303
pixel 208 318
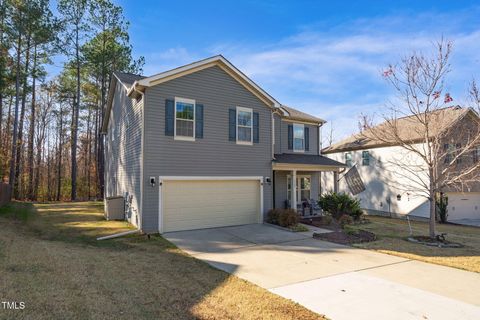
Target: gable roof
pixel 217 60
pixel 127 78
pixel 409 129
pixel 294 114
pixel 136 84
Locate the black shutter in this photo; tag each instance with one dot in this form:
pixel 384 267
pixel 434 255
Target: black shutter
pixel 169 117
pixel 290 137
pixel 307 138
pixel 232 124
pixel 255 128
pixel 199 121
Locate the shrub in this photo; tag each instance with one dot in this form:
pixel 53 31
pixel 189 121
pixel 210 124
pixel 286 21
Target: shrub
pixel 272 216
pixel 287 218
pixel 344 220
pixel 442 206
pixel 338 204
pixel 282 217
pixel 327 220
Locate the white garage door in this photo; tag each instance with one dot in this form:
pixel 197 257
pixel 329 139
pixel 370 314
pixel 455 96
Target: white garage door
pixel 463 205
pixel 192 204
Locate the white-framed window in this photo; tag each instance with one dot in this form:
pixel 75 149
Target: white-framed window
pixel 184 119
pixel 303 187
pixel 298 137
pixel 365 158
pixel 244 126
pixel 348 159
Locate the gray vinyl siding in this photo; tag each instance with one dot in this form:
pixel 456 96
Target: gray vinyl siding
pixel 281 186
pixel 123 155
pixel 313 143
pixel 214 155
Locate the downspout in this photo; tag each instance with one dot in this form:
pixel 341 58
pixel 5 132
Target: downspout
pixel 142 156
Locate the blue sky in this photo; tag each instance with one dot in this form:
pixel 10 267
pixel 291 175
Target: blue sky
pixel 323 57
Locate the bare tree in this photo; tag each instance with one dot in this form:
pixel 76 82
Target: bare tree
pixel 440 142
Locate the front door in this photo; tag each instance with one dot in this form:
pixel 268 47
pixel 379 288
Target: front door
pixel 303 188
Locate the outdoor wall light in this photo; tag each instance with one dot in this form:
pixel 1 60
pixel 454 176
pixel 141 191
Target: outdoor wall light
pixel 152 181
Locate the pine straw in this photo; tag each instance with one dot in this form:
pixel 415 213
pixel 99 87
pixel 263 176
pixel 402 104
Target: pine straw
pixel 50 259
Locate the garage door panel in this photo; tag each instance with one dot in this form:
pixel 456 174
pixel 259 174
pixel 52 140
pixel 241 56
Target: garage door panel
pixel 204 204
pixel 463 205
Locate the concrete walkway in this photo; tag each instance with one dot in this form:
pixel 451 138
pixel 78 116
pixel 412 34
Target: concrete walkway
pixel 338 281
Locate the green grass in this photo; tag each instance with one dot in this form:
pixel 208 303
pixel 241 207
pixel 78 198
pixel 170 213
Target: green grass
pixel 50 259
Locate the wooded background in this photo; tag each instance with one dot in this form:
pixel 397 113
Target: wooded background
pixel 51 147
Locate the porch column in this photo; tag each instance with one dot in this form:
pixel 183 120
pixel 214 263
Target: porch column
pixel 335 181
pixel 294 190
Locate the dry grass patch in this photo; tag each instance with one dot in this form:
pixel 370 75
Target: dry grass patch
pixel 49 259
pixel 392 233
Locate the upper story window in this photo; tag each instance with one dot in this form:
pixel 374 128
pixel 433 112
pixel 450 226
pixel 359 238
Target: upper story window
pixel 476 154
pixel 184 119
pixel 244 125
pixel 365 158
pixel 449 150
pixel 298 137
pixel 348 159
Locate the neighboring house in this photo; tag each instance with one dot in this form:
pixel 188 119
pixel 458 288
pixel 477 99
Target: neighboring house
pixel 391 188
pixel 203 146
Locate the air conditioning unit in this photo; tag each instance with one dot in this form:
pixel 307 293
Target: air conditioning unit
pixel 115 208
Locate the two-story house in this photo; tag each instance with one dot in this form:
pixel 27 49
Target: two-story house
pixel 203 146
pixel 396 179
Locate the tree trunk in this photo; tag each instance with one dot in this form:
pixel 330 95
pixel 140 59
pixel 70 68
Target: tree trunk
pixel 18 168
pixel 11 179
pixel 7 135
pixel 75 126
pixel 432 205
pixel 59 164
pixel 88 153
pixel 31 132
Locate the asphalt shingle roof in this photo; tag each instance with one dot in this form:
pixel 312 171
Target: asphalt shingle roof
pixel 409 129
pixel 295 114
pixel 128 78
pixel 306 159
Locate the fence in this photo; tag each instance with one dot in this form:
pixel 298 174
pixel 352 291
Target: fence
pixel 5 193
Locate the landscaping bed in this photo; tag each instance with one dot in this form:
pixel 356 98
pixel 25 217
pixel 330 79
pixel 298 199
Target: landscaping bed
pixel 435 242
pixel 346 237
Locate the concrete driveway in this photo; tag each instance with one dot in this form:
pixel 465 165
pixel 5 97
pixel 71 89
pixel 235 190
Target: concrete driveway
pixel 338 281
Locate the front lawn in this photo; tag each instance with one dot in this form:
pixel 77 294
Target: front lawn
pixel 50 260
pixel 391 234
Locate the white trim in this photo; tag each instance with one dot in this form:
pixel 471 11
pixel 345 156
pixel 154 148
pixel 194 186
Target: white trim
pixel 298 186
pixel 303 130
pixel 250 110
pixel 189 101
pixel 162 179
pixel 196 178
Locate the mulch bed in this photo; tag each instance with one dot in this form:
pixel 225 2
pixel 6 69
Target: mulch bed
pixel 425 240
pixel 342 237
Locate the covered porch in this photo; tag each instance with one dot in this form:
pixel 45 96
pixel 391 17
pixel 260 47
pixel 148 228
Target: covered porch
pixel 297 181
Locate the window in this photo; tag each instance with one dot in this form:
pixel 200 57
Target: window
pixel 476 154
pixel 449 150
pixel 303 188
pixel 298 137
pixel 348 159
pixel 365 158
pixel 244 125
pixel 184 119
